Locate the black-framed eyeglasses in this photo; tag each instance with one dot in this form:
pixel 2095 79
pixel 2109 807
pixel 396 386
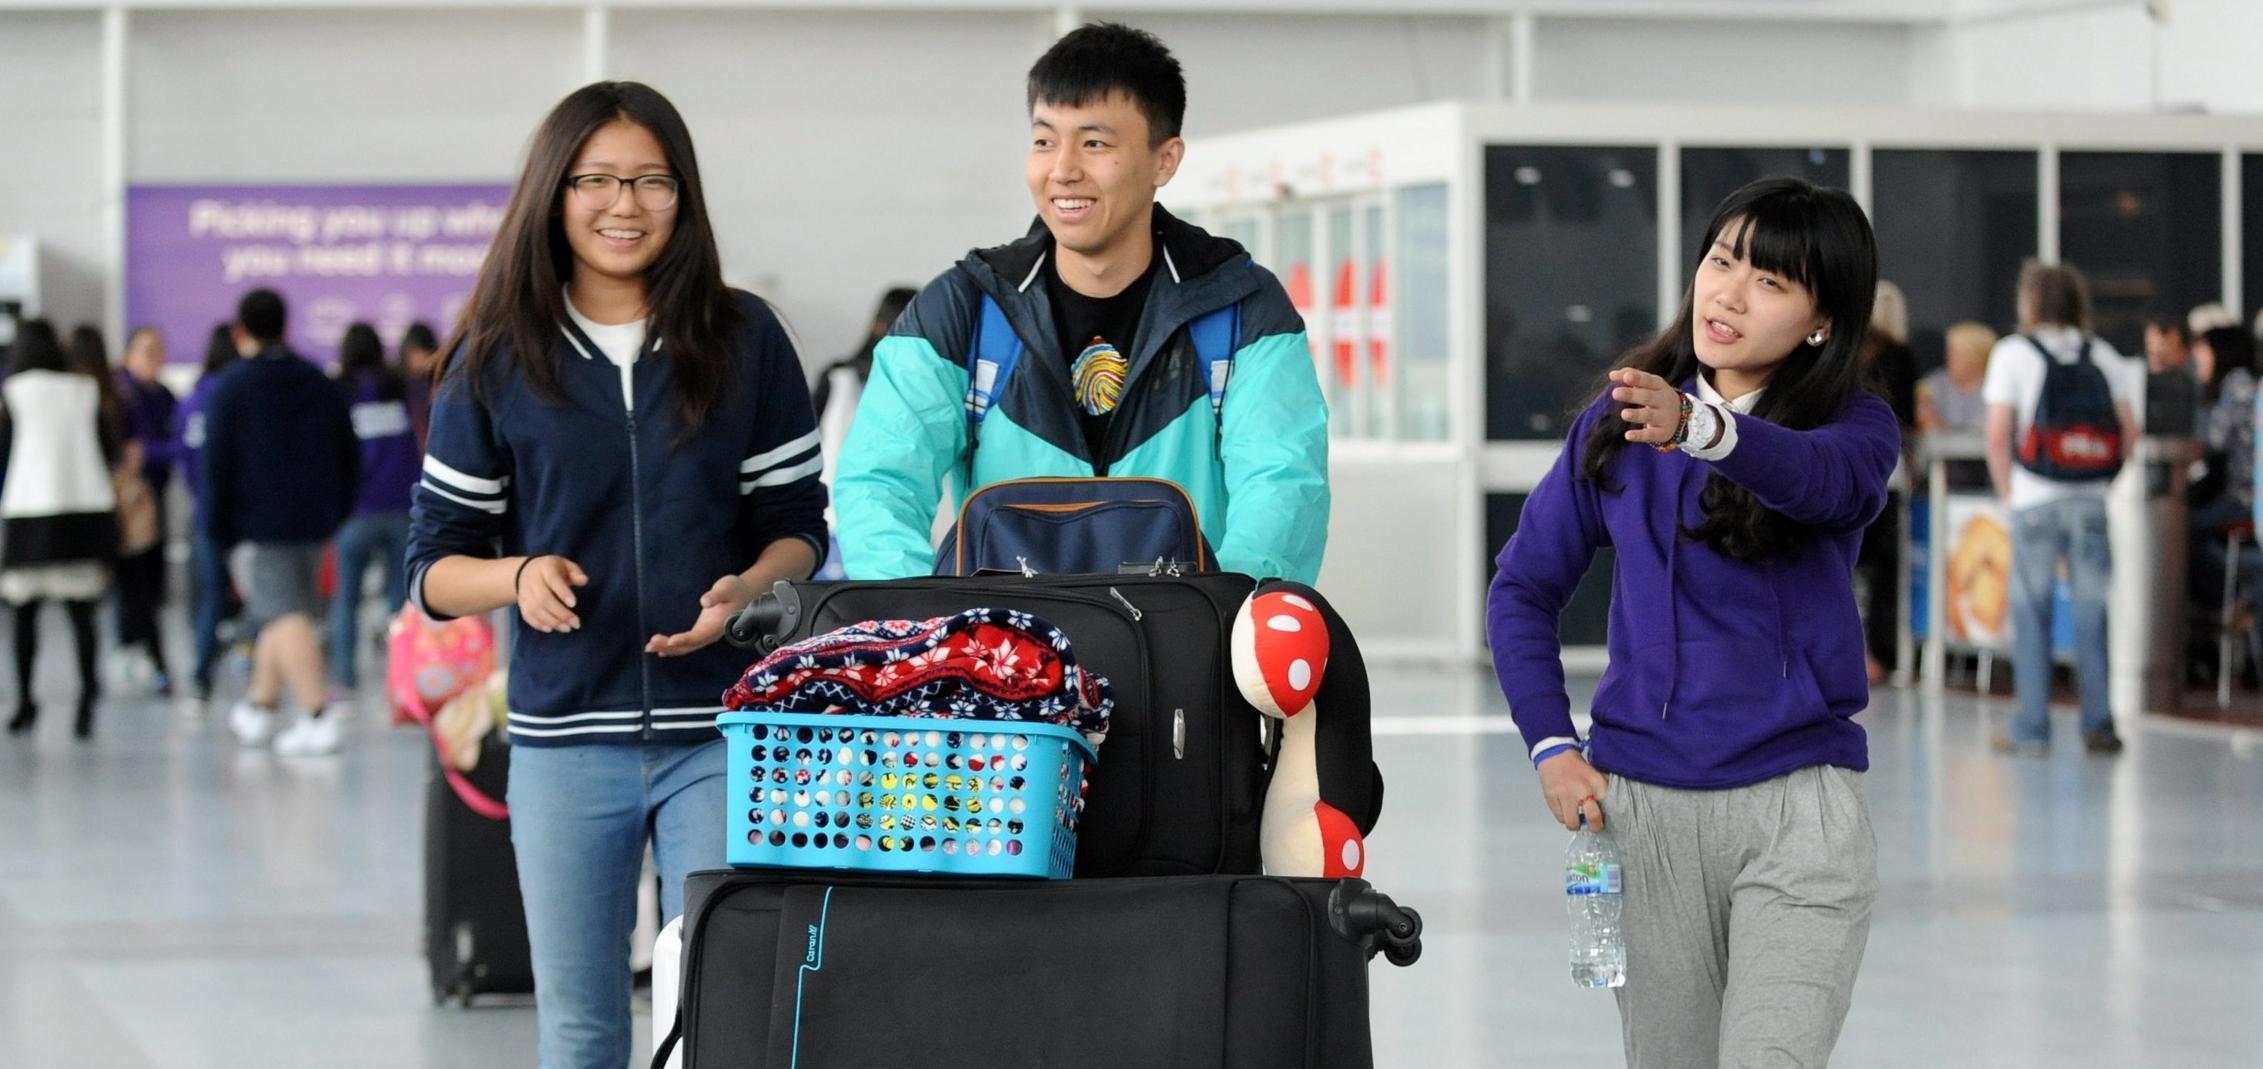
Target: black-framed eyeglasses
pixel 597 192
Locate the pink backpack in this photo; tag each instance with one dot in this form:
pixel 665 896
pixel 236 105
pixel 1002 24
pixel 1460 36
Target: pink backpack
pixel 428 663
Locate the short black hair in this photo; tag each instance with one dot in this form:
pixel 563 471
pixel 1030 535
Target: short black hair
pixel 1100 58
pixel 2170 325
pixel 260 313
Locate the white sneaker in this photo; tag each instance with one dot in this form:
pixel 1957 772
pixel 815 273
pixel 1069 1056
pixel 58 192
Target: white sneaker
pixel 252 724
pixel 192 707
pixel 311 736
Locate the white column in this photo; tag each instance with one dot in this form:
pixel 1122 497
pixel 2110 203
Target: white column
pixel 1860 183
pixel 596 41
pixel 2047 203
pixel 1669 230
pixel 114 169
pixel 2235 260
pixel 1522 28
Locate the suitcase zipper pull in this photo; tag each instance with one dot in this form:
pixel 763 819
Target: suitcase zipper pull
pixel 1128 606
pixel 1179 734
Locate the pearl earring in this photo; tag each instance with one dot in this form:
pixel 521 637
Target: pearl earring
pixel 1816 338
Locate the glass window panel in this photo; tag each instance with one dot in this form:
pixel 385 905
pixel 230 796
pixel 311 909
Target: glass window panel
pixel 1298 268
pixel 1419 366
pixel 1953 229
pixel 1571 277
pixel 1709 175
pixel 1242 229
pixel 1345 326
pixel 2146 228
pixel 1586 619
pixel 1375 309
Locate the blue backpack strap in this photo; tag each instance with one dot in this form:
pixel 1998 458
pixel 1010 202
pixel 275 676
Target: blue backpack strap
pixel 990 360
pixel 1214 335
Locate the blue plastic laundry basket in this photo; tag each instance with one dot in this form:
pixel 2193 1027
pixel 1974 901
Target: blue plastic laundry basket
pixel 903 794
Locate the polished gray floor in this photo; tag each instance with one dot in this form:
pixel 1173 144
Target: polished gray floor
pixel 169 900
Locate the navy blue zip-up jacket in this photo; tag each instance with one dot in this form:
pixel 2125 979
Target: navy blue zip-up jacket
pixel 653 521
pixel 280 460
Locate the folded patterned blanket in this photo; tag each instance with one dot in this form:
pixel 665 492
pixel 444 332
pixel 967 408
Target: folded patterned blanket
pixel 982 664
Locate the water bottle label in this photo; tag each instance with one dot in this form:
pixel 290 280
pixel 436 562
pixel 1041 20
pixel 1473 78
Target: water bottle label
pixel 1597 879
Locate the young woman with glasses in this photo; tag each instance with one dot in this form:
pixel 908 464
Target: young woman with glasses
pixel 622 449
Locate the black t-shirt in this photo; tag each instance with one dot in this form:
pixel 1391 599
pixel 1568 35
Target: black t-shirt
pixel 1097 336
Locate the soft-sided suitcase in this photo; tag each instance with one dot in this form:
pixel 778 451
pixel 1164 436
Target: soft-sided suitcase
pixel 1180 785
pixel 474 923
pixel 806 970
pixel 1062 526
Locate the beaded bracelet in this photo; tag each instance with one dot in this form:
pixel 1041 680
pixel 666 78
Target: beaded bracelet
pixel 1681 429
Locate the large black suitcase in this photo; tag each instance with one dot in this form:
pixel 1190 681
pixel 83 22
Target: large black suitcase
pixel 474 923
pixel 809 970
pixel 1180 785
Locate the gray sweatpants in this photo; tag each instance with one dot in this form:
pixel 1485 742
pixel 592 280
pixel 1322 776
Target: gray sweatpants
pixel 1746 912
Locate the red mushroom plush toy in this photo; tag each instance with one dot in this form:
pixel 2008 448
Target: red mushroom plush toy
pixel 1295 661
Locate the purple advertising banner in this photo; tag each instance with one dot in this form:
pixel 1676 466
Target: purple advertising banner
pixel 388 255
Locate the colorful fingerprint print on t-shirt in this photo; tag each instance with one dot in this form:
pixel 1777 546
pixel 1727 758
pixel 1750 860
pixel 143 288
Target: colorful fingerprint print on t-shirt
pixel 1099 377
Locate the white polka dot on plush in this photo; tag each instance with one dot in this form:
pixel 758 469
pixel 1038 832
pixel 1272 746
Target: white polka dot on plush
pixel 1298 602
pixel 1351 854
pixel 1285 623
pixel 1300 674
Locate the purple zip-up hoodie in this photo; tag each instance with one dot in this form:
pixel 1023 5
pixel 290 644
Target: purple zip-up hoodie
pixel 1723 673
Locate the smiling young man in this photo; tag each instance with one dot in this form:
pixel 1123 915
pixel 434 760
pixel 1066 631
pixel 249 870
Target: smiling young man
pixel 1105 296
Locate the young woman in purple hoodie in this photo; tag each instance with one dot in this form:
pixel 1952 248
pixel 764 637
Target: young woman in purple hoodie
pixel 1732 464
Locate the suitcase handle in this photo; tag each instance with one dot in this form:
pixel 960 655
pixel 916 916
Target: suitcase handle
pixel 766 620
pixel 1368 917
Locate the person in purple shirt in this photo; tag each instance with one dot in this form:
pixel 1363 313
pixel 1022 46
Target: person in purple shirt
pixel 212 596
pixel 1733 463
pixel 379 527
pixel 148 409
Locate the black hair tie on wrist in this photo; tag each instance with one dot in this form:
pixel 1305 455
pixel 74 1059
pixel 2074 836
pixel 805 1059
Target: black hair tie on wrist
pixel 521 573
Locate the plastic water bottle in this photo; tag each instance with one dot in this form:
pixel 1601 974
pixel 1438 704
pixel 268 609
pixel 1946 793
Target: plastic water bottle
pixel 1592 886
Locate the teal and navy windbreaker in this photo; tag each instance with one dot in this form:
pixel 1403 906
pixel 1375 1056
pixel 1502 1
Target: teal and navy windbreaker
pixel 652 519
pixel 1258 474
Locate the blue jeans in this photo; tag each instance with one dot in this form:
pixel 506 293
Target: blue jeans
pixel 579 820
pixel 2073 530
pixel 215 600
pixel 384 536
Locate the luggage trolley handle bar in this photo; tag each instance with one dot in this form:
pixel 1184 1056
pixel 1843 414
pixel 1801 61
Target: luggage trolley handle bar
pixel 1364 915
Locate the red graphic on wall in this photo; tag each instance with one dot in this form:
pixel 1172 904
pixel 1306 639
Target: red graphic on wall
pixel 1379 325
pixel 1343 322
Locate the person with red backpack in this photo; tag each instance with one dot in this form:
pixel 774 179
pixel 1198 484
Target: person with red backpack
pixel 2059 426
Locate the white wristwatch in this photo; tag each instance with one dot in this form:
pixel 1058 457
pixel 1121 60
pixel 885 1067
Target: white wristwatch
pixel 1704 426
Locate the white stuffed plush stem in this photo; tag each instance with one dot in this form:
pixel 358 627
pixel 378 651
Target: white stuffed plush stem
pixel 1291 838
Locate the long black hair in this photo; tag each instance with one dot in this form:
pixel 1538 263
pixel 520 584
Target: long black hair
pixel 220 349
pixel 89 355
pixel 519 301
pixel 361 355
pixel 2234 351
pixel 1817 237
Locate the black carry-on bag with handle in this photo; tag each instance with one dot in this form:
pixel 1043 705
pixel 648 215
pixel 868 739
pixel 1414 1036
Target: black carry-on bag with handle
pixel 788 969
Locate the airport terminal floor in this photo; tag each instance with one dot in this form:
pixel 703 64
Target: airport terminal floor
pixel 168 900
